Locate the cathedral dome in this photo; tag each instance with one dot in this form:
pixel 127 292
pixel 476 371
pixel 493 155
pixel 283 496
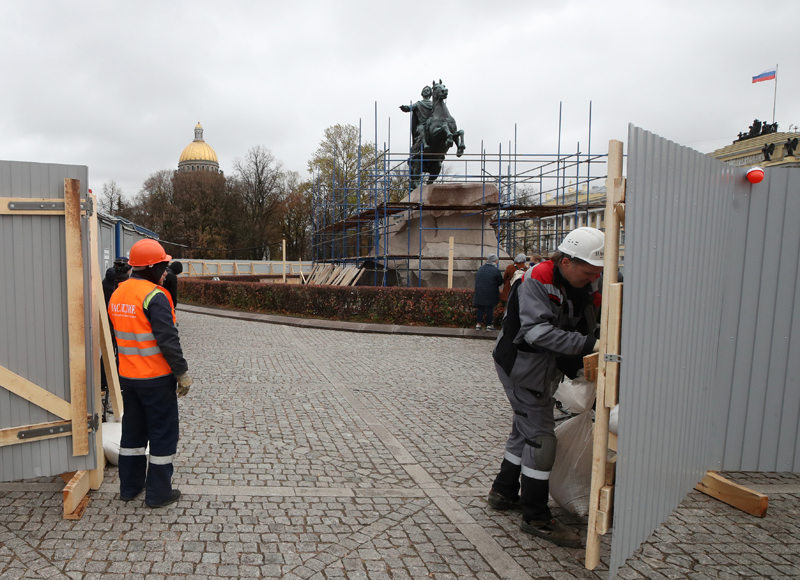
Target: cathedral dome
pixel 198 155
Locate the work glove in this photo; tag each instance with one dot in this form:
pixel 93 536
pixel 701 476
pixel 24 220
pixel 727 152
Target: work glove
pixel 184 382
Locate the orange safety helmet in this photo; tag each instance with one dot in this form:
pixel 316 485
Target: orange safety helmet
pixel 147 252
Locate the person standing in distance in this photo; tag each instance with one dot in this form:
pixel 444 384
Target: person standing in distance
pixel 152 375
pixel 171 281
pixel 550 323
pixel 508 275
pixel 487 291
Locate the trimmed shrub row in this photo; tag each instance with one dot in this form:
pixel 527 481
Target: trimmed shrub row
pixel 401 306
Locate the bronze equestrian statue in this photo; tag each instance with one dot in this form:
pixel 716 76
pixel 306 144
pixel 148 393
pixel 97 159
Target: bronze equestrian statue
pixel 434 132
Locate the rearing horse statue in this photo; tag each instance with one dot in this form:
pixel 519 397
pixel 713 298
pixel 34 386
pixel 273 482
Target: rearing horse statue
pixel 439 134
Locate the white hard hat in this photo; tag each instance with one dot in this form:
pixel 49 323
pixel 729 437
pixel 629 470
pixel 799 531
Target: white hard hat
pixel 586 244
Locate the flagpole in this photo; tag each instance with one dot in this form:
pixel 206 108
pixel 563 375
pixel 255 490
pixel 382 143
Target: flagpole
pixel 775 96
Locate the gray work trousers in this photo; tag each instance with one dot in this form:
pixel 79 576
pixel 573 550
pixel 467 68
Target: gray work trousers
pixel 533 420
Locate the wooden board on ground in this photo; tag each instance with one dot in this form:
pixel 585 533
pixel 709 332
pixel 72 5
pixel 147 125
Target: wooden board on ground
pixel 733 494
pixel 75 492
pixel 351 274
pixel 358 277
pixel 335 276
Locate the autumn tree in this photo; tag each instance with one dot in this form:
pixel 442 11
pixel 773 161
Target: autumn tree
pixel 296 222
pixel 207 211
pixel 153 207
pixel 343 170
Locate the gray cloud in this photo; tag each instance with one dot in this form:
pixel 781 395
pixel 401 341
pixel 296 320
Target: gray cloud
pixel 120 86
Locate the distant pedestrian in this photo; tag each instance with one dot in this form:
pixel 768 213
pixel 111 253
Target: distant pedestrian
pixel 171 281
pixel 511 269
pixel 487 291
pixel 535 259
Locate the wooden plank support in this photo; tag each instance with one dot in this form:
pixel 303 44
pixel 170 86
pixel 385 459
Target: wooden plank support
pixel 607 498
pixel 600 522
pixel 75 315
pixel 74 494
pixel 590 367
pixel 110 363
pixel 97 474
pixel 604 522
pixel 283 246
pixel 614 305
pixel 450 251
pixel 611 471
pixel 35 394
pixel 733 494
pixel 612 441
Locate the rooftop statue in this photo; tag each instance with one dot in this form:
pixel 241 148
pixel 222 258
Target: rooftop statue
pixel 758 128
pixel 433 132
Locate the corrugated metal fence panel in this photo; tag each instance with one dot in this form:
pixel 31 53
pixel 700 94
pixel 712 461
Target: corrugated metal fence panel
pixel 33 317
pixel 758 384
pixel 678 207
pixel 106 242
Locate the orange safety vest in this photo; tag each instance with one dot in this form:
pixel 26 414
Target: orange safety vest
pixel 139 354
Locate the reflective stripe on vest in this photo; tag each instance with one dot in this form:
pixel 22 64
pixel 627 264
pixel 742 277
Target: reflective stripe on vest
pixel 139 354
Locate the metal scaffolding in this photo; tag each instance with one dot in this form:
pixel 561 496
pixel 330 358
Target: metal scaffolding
pixel 351 220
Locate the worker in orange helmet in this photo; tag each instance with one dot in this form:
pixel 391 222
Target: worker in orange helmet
pixel 152 375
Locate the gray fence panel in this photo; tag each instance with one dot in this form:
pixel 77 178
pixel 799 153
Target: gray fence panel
pixel 758 364
pixel 106 242
pixel 33 317
pixel 678 207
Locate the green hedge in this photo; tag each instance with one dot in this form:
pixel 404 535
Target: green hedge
pixel 401 306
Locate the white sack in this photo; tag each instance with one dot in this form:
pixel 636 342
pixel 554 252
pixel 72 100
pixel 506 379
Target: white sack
pixel 571 478
pixel 112 435
pixel 613 420
pixel 577 394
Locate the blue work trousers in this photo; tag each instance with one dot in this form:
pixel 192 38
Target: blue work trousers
pixel 151 416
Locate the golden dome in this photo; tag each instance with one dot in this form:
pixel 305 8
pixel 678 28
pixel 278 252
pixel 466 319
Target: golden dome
pixel 198 150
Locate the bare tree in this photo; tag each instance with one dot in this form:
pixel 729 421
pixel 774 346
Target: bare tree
pixel 261 184
pixel 112 200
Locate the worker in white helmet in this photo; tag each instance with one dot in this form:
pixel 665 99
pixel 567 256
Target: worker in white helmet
pixel 549 325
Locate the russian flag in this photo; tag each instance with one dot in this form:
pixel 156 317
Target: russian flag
pixel 767 75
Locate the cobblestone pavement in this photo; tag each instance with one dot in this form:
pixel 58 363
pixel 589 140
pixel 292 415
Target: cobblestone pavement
pixel 319 454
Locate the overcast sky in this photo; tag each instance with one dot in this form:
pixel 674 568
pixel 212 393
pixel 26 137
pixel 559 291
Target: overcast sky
pixel 119 86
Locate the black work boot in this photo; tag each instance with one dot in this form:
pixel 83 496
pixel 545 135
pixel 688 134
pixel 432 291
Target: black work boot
pixel 500 502
pixel 172 498
pixel 552 531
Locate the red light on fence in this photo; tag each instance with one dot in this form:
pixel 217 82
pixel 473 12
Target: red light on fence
pixel 755 175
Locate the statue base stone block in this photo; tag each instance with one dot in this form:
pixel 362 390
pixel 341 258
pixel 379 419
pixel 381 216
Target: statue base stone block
pixel 428 236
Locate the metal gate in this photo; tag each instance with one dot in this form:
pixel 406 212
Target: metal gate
pixel 47 396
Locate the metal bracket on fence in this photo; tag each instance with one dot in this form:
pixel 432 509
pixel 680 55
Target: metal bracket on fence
pixel 44 431
pixel 617 358
pixel 93 424
pixel 48 205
